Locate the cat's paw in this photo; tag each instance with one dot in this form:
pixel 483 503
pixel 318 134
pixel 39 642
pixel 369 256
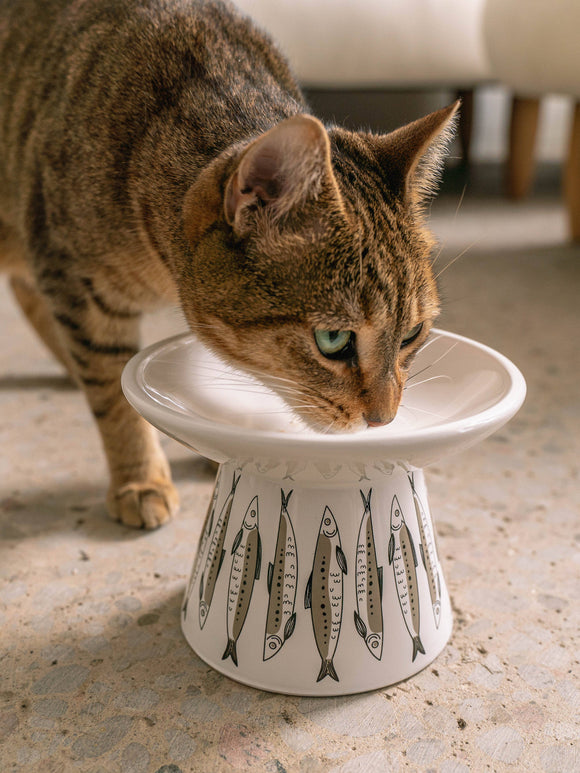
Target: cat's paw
pixel 147 504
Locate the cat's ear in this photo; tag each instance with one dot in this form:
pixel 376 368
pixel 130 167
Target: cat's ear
pixel 412 157
pixel 283 168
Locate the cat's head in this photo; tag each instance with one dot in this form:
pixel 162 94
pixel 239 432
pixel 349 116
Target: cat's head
pixel 310 263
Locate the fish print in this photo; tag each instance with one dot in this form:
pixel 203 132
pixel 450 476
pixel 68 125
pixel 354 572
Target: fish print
pixel 359 469
pixel 403 558
pixel 368 616
pixel 324 593
pixel 247 558
pixel 328 470
pixel 428 555
pixel 282 582
pixel 294 468
pixel 207 529
pixel 215 556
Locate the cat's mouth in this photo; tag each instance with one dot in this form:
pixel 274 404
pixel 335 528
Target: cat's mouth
pixel 376 421
pixel 334 427
pixel 328 399
pixel 325 417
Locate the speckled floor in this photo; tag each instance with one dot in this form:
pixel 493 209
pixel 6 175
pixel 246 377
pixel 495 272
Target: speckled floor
pixel 94 672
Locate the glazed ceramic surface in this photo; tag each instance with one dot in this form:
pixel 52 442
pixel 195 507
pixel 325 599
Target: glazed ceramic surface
pixel 458 392
pixel 317 570
pixel 311 591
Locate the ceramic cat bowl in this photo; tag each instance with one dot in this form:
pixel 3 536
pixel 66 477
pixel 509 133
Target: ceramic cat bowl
pixel 317 571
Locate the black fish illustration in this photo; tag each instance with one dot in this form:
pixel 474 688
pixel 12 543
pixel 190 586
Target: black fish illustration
pixel 368 616
pixel 207 528
pixel 428 555
pixel 324 593
pixel 247 553
pixel 403 558
pixel 282 582
pixel 215 555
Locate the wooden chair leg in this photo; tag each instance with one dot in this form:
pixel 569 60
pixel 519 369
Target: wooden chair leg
pixel 572 177
pixel 522 140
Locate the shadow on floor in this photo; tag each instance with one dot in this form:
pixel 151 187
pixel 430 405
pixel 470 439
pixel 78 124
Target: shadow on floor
pixel 32 383
pixel 66 508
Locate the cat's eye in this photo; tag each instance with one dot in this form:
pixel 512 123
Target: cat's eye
pixel 336 344
pixel 411 335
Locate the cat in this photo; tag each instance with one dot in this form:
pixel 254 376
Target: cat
pixel 161 152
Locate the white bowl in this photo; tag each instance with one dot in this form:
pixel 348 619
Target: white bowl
pixel 317 570
pixel 459 392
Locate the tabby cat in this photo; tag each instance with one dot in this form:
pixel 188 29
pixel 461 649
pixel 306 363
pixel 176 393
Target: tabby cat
pixel 160 151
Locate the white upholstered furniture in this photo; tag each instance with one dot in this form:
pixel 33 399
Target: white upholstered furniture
pixel 532 46
pixel 381 44
pixel 378 43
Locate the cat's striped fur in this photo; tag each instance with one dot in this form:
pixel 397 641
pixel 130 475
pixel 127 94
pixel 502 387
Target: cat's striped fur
pixel 160 151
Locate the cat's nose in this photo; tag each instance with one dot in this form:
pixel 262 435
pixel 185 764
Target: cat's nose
pixel 382 401
pixel 374 420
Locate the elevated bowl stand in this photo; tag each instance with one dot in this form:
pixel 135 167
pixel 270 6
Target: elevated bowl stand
pixel 317 571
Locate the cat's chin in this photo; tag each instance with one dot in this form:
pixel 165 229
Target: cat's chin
pixel 322 427
pixel 351 429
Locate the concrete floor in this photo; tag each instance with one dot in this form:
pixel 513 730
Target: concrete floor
pixel 94 672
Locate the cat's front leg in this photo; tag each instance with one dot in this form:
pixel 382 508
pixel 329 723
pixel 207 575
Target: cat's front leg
pixel 100 341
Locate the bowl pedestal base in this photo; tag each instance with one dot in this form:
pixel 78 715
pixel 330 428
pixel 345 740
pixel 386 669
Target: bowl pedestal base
pixel 317 571
pixel 329 585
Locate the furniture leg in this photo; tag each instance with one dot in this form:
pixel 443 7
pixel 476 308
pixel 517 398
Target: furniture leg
pixel 572 177
pixel 522 140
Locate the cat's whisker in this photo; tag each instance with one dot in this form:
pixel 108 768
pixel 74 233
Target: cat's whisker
pixel 459 203
pixel 226 375
pixel 295 398
pixel 431 340
pixel 414 408
pixel 292 398
pixel 297 403
pixel 293 391
pixel 442 246
pixel 292 395
pixel 432 364
pixel 436 258
pixel 328 429
pixel 267 380
pixel 299 398
pixel 304 401
pixel 233 387
pixel 456 258
pixel 309 408
pixel 288 384
pixel 279 412
pixel 425 380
